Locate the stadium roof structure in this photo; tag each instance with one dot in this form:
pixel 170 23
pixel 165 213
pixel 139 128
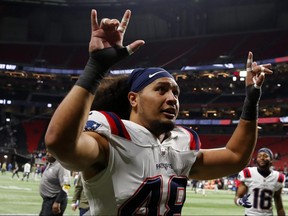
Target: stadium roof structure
pixel 75 2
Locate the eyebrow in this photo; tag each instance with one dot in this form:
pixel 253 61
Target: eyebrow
pixel 169 83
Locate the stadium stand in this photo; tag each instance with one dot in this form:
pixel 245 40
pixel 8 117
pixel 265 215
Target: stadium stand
pixel 171 54
pixel 202 96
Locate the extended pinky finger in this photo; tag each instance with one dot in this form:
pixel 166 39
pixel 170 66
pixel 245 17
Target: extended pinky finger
pixel 124 22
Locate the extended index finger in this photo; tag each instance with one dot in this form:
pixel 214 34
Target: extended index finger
pixel 94 21
pixel 249 62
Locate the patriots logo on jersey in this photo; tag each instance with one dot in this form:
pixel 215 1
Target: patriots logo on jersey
pixel 91 125
pixel 163 151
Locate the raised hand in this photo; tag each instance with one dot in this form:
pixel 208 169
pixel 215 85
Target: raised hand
pixel 254 80
pixel 256 73
pixel 110 33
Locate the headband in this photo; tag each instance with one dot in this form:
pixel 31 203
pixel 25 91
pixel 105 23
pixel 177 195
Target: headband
pixel 141 77
pixel 267 151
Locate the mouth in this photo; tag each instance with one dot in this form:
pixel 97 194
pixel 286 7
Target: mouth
pixel 262 163
pixel 169 113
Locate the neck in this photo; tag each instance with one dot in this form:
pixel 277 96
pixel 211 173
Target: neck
pixel 264 172
pixel 164 136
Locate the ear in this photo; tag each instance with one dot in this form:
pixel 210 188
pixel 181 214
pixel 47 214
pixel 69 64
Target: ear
pixel 132 97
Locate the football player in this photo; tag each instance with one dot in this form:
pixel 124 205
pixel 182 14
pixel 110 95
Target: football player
pixel 141 165
pixel 259 186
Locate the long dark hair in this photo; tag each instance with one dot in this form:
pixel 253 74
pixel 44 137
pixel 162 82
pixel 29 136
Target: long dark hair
pixel 112 96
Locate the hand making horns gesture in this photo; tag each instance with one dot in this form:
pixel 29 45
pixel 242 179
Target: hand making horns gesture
pixel 110 33
pixel 256 73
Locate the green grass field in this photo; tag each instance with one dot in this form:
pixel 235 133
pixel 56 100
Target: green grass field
pixel 22 198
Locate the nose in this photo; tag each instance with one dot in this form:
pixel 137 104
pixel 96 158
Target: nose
pixel 172 99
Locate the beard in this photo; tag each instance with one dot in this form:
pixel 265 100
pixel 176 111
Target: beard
pixel 158 127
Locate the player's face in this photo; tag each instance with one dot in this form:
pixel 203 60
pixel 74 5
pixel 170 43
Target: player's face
pixel 50 157
pixel 158 105
pixel 263 160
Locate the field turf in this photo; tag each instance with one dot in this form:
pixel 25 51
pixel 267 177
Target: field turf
pixel 22 198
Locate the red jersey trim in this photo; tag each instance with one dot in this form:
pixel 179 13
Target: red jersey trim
pixel 116 125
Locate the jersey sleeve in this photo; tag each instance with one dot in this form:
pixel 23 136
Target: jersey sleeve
pixel 244 175
pixel 281 181
pixel 107 124
pixel 97 122
pixel 194 143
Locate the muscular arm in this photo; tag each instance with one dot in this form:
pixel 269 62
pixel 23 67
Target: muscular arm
pixel 65 139
pixel 241 191
pixel 238 151
pixel 279 203
pixel 231 159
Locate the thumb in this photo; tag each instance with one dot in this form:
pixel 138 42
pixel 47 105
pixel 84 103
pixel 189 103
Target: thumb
pixel 259 79
pixel 134 46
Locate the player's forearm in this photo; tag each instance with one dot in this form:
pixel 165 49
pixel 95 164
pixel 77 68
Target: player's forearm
pixel 235 200
pixel 230 159
pixel 243 142
pixel 281 212
pixel 279 204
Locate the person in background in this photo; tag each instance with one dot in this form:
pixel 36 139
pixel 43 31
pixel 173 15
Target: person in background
pixel 15 170
pixel 27 170
pixel 236 184
pixel 202 187
pixel 34 171
pixel 259 186
pixel 9 167
pixel 79 199
pixel 194 184
pixel 4 168
pixel 141 163
pixel 54 187
pixel 75 175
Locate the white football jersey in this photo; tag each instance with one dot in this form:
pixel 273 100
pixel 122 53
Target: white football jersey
pixel 261 190
pixel 144 176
